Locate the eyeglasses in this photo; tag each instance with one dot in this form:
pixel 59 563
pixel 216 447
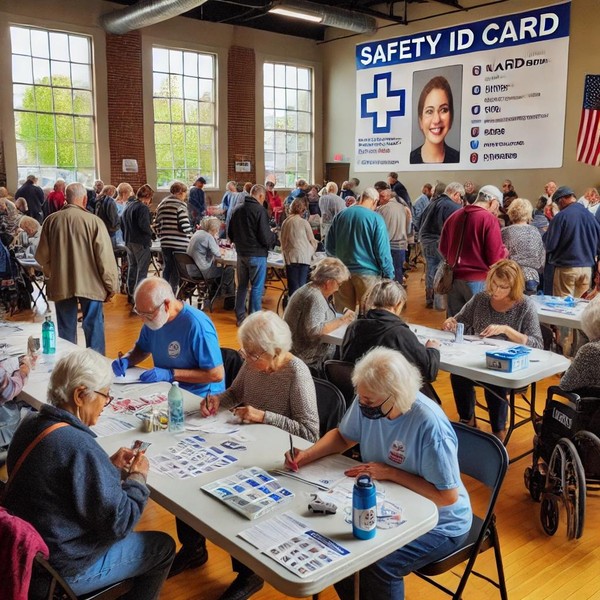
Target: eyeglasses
pixel 147 315
pixel 108 398
pixel 250 357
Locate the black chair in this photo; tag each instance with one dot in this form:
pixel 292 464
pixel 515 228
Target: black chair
pixel 339 372
pixel 56 587
pixel 330 404
pixel 232 363
pixel 206 289
pixel 482 457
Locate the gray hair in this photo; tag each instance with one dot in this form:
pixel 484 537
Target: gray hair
pixel 590 319
pixel 453 187
pixel 385 294
pixel 257 190
pixel 520 210
pixel 75 191
pixel 157 289
pixel 210 224
pixel 266 331
pixel 329 268
pixel 386 373
pixel 370 193
pixel 81 368
pixel 331 187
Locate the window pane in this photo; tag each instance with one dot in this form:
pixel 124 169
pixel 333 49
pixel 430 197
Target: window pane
pixel 41 71
pixel 45 127
pixel 184 98
pixel 290 77
pixel 268 74
pixel 19 40
pixel 43 99
pixel 304 122
pixel 279 75
pixel 82 77
pixel 304 100
pixel 63 100
pixel 61 73
pixel 304 77
pixel 269 119
pixel 39 43
pixel 84 129
pixel 85 155
pixel 22 69
pixel 80 49
pixel 65 154
pixel 64 127
pixel 59 46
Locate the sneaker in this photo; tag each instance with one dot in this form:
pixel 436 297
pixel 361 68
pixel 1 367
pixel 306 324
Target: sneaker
pixel 188 558
pixel 243 587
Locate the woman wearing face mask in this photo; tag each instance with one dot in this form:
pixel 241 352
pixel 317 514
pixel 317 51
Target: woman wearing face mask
pixel 436 113
pixel 501 311
pixel 405 438
pixel 274 387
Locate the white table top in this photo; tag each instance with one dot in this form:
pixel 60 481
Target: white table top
pixel 221 525
pixel 274 259
pixel 216 521
pixel 562 317
pixel 468 359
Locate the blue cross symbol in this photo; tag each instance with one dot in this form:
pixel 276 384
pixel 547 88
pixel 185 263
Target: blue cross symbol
pixel 382 103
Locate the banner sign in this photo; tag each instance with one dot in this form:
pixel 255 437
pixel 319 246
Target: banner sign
pixel 484 95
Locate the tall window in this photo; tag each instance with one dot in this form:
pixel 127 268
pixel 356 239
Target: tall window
pixel 288 122
pixel 184 115
pixel 53 101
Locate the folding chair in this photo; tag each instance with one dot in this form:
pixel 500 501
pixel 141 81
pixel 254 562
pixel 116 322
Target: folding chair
pixel 482 457
pixel 57 587
pixel 330 405
pixel 232 363
pixel 339 372
pixel 189 285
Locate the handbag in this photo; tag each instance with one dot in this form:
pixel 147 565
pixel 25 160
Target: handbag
pixel 23 456
pixel 444 275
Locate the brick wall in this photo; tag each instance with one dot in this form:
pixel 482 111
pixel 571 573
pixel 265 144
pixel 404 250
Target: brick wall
pixel 241 121
pixel 125 106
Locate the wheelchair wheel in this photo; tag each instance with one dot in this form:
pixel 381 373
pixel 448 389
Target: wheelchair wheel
pixel 565 480
pixel 588 448
pixel 549 513
pixel 534 482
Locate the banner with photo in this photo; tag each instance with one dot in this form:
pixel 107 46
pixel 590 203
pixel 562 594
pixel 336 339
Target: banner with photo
pixel 484 95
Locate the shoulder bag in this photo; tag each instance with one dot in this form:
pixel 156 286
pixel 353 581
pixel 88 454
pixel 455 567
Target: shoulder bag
pixel 444 275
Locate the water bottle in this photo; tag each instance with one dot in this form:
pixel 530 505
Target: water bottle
pixel 175 399
pixel 364 508
pixel 48 336
pixel 459 335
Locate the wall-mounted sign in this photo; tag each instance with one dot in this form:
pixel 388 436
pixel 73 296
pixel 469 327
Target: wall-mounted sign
pixel 130 165
pixel 243 166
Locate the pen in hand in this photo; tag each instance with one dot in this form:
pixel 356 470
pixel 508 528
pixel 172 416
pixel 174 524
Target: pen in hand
pixel 209 404
pixel 293 454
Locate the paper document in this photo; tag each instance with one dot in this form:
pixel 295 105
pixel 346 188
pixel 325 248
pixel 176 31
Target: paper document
pixel 110 426
pixel 323 473
pixel 132 375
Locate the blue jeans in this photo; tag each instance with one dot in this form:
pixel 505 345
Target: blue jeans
pixel 170 272
pixel 138 261
pixel 462 291
pixel 93 322
pixel 433 259
pixel 384 580
pixel 464 397
pixel 398 262
pixel 252 270
pixel 297 276
pixel 145 556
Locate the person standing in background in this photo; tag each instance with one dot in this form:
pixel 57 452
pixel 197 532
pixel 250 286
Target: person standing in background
pixel 197 202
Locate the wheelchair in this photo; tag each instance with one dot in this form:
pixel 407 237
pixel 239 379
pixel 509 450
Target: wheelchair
pixel 566 457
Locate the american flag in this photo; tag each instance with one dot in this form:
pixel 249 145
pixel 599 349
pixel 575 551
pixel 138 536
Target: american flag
pixel 588 138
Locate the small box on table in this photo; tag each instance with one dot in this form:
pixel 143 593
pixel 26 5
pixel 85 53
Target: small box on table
pixel 509 359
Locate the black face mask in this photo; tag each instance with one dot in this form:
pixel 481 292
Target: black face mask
pixel 374 412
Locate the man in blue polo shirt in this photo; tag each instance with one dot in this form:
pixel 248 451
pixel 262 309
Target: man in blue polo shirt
pixel 184 346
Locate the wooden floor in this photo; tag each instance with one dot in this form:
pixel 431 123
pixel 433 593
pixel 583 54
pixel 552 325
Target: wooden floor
pixel 537 566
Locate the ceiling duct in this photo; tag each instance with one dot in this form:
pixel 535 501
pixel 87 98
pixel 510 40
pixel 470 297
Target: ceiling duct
pixel 145 13
pixel 325 15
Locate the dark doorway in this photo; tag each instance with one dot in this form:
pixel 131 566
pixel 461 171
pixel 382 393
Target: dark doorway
pixel 338 172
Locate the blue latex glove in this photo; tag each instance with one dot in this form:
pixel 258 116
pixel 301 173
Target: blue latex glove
pixel 119 366
pixel 156 374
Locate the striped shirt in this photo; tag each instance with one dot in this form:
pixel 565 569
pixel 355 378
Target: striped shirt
pixel 173 224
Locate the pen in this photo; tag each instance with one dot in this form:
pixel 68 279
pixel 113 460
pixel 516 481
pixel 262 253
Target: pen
pixel 292 453
pixel 209 405
pixel 233 409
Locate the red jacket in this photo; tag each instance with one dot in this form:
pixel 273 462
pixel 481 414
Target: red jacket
pixel 482 243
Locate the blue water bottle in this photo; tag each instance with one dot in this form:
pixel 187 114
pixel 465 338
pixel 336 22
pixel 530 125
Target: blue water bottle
pixel 364 508
pixel 175 400
pixel 48 335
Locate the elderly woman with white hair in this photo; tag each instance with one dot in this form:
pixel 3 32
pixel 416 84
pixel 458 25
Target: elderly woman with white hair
pixel 310 314
pixel 273 387
pixel 204 249
pixel 83 503
pixel 524 243
pixel 584 372
pixel 405 438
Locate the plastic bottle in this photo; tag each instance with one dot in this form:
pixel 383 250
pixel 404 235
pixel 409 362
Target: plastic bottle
pixel 175 399
pixel 364 508
pixel 48 335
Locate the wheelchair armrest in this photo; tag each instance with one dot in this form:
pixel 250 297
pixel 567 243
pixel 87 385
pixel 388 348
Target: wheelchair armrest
pixel 572 398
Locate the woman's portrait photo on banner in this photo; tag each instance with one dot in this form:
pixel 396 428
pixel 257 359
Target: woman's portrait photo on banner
pixel 437 97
